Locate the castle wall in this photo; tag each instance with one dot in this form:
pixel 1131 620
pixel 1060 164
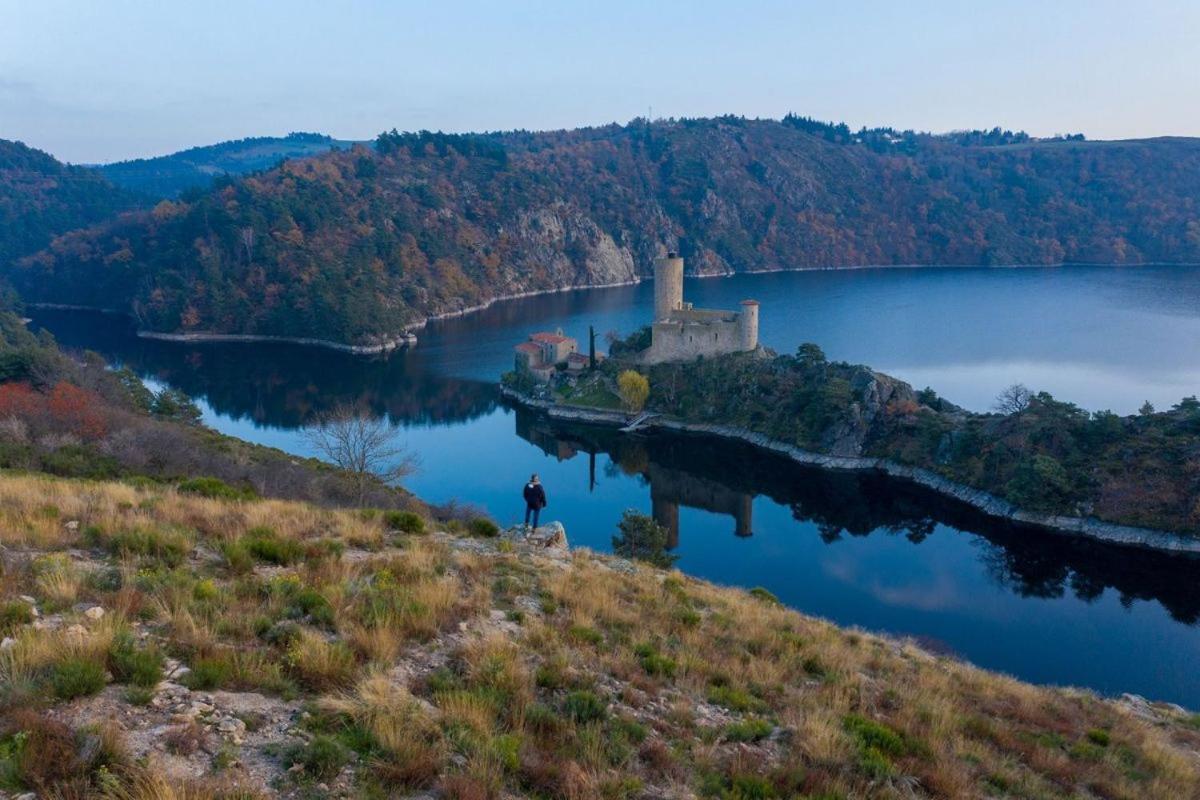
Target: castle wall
pixel 682 341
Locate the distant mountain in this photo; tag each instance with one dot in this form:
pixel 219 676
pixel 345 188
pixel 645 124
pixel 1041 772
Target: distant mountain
pixel 41 197
pixel 171 175
pixel 354 246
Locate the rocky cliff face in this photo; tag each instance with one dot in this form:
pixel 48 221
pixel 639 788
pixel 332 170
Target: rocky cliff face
pixel 874 392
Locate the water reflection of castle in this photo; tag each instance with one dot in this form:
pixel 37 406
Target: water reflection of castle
pixel 670 488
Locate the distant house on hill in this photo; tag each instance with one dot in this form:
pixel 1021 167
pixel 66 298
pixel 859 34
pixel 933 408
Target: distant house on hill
pixel 544 351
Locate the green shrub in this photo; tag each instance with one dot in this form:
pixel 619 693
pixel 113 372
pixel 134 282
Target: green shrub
pixel 404 521
pixel 15 613
pixel 582 633
pixel 1099 736
pixel 322 758
pixel 583 706
pixel 165 545
pixel 640 537
pixel 869 733
pixel 654 662
pixel 265 545
pixel 76 677
pixel 140 666
pixel 735 699
pixel 749 730
pixel 483 528
pixel 237 557
pixel 216 489
pixel 766 596
pixel 207 673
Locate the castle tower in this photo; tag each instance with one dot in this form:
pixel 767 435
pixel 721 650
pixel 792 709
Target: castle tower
pixel 748 326
pixel 668 285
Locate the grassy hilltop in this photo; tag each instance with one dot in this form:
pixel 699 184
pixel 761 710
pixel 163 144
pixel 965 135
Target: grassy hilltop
pixel 164 645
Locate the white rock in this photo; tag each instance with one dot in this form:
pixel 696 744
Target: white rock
pixel 26 598
pixel 8 643
pixel 94 613
pixel 73 525
pixel 76 630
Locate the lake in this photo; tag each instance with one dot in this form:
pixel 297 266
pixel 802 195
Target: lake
pixel 858 550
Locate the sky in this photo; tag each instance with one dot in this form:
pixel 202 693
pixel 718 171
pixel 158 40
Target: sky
pixel 93 81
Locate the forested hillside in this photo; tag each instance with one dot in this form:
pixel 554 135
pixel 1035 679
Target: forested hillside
pixel 41 197
pixel 354 246
pixel 196 167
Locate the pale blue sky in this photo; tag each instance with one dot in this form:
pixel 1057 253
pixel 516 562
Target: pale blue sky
pixel 98 81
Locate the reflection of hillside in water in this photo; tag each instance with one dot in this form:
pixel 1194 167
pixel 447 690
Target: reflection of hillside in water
pixel 283 385
pixel 725 477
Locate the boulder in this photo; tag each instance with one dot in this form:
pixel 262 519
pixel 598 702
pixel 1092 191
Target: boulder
pixel 551 536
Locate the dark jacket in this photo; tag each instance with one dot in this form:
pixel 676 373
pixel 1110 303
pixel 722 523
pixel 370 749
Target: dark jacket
pixel 535 495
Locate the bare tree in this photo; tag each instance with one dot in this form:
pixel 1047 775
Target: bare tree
pixel 366 447
pixel 1014 399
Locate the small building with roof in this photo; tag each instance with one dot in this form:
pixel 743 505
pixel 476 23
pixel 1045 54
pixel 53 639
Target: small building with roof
pixel 540 355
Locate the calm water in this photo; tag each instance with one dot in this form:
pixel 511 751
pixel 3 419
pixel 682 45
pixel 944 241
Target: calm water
pixel 857 550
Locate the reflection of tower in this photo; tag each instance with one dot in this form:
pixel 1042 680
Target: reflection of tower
pixel 666 514
pixel 743 513
pixel 668 285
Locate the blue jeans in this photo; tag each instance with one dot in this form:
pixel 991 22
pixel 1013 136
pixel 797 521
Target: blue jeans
pixel 534 510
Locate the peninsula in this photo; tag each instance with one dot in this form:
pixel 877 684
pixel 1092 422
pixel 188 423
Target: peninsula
pixel 1038 460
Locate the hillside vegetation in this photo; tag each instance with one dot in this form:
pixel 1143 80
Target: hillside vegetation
pixel 354 246
pixel 40 198
pixel 195 168
pixel 163 645
pixel 1041 454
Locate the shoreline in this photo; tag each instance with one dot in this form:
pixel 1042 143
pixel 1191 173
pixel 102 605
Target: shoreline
pixel 988 504
pixel 407 338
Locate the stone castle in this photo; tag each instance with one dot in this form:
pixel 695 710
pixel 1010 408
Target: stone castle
pixel 682 333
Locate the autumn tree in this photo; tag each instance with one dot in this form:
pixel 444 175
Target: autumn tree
pixel 368 448
pixel 634 389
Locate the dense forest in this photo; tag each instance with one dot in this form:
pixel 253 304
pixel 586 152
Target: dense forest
pixel 41 198
pixel 356 245
pixel 197 167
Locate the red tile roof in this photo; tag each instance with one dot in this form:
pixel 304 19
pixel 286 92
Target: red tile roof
pixel 527 347
pixel 550 338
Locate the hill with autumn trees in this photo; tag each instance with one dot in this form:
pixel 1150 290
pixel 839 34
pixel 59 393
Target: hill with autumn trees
pixel 197 167
pixel 355 246
pixel 40 198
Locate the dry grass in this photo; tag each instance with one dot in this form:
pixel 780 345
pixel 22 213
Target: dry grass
pixel 623 684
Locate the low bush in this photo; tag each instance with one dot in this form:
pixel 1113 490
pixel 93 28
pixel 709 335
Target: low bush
pixel 15 613
pixel 322 758
pixel 139 666
pixel 483 528
pixel 216 489
pixel 748 730
pixel 266 545
pixel 583 707
pixel 208 673
pixel 404 521
pixel 76 677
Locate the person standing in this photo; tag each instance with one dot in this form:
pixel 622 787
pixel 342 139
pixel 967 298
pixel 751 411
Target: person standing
pixel 535 499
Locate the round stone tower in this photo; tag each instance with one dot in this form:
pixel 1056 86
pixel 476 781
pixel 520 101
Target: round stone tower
pixel 668 285
pixel 748 325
